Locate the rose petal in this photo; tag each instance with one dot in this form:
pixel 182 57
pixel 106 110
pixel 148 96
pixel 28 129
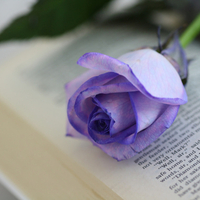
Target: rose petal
pixel 146 112
pixel 117 151
pixel 73 85
pixel 149 135
pixel 119 79
pixel 103 126
pixel 147 70
pixel 118 106
pixel 103 138
pixel 84 106
pixel 74 120
pixel 71 132
pixel 145 138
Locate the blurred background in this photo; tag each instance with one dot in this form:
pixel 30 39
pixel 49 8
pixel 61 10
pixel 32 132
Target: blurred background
pixel 9 10
pixel 36 18
pixel 21 20
pixel 5 194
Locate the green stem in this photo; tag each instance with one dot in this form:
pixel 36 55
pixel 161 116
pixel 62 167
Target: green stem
pixel 191 32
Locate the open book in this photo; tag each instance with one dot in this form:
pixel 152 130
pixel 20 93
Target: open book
pixel 42 163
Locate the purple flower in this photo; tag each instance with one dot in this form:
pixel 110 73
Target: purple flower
pixel 123 105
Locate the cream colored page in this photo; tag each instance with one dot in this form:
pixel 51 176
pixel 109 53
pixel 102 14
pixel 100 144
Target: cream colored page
pixel 33 85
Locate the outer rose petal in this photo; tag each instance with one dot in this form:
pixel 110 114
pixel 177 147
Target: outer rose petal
pixel 144 138
pixel 149 135
pixel 146 112
pixel 71 132
pixel 75 121
pixel 71 87
pixel 146 69
pixel 84 102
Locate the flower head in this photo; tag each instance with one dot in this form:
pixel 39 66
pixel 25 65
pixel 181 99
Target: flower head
pixel 123 105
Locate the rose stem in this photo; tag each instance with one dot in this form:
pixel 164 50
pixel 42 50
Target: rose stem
pixel 191 32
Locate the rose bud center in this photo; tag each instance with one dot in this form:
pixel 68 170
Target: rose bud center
pixel 100 123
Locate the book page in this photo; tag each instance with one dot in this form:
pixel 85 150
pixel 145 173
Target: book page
pixel 33 86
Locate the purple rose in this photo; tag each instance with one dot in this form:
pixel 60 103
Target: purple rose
pixel 123 105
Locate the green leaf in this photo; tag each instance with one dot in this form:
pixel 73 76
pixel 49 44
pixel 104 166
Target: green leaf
pixel 52 18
